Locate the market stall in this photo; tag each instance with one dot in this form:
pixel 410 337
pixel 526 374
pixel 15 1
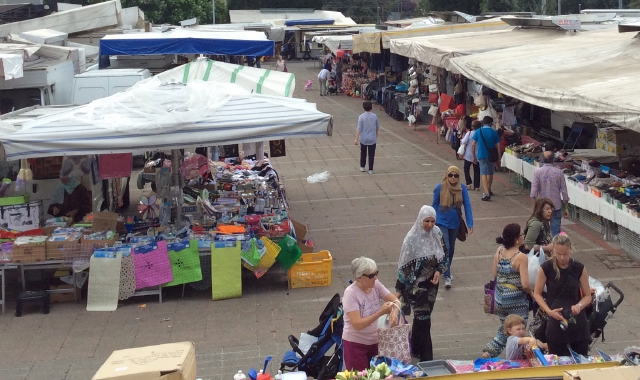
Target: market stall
pixel 234 211
pixel 333 43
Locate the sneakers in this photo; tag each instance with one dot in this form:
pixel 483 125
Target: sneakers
pixel 486 197
pixel 490 193
pixel 447 283
pixel 370 171
pixel 362 169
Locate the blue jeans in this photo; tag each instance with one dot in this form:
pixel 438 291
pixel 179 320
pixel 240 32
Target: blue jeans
pixel 449 236
pixel 556 221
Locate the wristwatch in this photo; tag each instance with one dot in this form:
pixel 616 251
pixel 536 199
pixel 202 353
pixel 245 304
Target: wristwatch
pixel 581 307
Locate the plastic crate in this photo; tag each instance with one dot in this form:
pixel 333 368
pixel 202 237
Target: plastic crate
pixel 591 220
pixel 629 241
pixel 314 270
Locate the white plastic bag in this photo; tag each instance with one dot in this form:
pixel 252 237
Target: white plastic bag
pixel 318 177
pixel 535 260
pixel 461 150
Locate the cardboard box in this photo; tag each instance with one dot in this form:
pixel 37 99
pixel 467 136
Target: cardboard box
pixel 173 361
pixel 613 373
pixel 601 144
pixel 615 148
pixel 63 297
pixel 301 233
pixel 54 248
pixel 105 221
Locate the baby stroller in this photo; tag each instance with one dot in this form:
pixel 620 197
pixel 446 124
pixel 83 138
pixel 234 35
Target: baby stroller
pixel 315 361
pixel 602 308
pixel 332 85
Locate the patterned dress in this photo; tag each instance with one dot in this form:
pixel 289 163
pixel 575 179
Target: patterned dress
pixel 509 299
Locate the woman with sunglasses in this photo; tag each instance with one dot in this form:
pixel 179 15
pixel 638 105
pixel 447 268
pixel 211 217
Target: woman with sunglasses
pixel 511 271
pixel 448 199
pixel 361 306
pixel 422 262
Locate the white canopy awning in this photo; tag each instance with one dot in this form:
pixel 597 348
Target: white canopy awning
pixel 260 81
pixel 370 42
pixel 593 74
pixel 345 42
pixel 437 50
pixel 153 116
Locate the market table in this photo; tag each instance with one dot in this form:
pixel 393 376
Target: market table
pixel 578 196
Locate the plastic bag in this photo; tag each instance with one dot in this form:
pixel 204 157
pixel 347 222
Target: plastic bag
pixel 601 292
pixel 318 177
pixel 535 260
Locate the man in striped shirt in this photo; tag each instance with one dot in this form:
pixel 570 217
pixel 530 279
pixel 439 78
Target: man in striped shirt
pixel 549 182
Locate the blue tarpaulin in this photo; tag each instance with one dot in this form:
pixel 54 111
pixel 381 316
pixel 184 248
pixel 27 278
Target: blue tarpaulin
pixel 321 21
pixel 245 43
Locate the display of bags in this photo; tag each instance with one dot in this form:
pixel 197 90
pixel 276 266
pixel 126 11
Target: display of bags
pixel 433 97
pixel 489 296
pixel 394 341
pixel 152 265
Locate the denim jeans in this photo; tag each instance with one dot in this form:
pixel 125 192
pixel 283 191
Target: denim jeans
pixel 556 221
pixel 449 235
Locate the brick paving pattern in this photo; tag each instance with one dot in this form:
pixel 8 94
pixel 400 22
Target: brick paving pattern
pixel 351 214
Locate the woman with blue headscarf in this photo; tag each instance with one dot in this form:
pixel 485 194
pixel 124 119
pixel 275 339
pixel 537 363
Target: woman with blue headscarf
pixel 70 199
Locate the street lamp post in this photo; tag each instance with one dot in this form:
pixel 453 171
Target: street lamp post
pixel 214 11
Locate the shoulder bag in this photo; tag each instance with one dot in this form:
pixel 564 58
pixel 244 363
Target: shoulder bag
pixel 463 231
pixel 492 151
pixel 394 341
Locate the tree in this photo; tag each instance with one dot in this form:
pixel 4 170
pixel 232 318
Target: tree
pixel 424 7
pixel 634 4
pixel 257 4
pixel 174 11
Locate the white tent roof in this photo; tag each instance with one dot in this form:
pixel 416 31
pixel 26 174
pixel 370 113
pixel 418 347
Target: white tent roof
pixel 437 50
pixel 260 81
pixel 370 42
pixel 334 42
pixel 153 116
pixel 278 18
pixel 593 74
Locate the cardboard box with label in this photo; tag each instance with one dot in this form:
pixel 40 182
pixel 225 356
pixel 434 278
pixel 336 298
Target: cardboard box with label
pixel 612 373
pixel 173 361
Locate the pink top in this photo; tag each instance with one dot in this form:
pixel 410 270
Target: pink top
pixel 368 304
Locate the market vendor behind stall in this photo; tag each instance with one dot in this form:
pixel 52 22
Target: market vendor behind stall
pixel 70 199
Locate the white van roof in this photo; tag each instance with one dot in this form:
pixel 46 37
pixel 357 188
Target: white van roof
pixel 111 73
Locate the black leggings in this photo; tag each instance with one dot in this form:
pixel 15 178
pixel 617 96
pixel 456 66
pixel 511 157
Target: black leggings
pixel 421 345
pixel 363 155
pixel 476 174
pixel 562 348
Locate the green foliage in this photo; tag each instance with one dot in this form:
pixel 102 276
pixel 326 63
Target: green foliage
pixel 174 11
pixel 471 7
pixel 424 7
pixel 634 4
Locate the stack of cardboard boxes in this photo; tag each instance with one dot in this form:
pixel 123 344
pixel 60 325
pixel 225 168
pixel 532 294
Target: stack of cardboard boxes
pixel 620 141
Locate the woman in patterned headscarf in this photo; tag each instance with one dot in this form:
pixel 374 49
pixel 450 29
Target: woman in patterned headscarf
pixel 422 262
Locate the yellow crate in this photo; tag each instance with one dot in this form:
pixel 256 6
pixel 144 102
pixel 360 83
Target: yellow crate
pixel 313 271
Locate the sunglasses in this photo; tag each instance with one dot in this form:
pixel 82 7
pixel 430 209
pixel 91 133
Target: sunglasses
pixel 371 276
pixel 453 175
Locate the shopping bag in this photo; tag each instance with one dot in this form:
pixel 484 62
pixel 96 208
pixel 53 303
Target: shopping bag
pixel 394 341
pixel 535 260
pixel 489 296
pixel 461 150
pixel 152 265
pixel 185 262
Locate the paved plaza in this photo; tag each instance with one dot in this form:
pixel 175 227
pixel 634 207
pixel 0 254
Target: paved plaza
pixel 352 214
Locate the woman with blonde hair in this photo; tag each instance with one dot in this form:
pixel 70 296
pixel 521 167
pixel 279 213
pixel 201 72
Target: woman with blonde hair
pixel 448 198
pixel 568 294
pixel 280 64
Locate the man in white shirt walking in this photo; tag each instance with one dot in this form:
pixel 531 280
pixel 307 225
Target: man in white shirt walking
pixel 322 80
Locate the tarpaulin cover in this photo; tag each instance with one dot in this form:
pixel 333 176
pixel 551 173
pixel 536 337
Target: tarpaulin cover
pixel 232 42
pixel 437 50
pixel 152 115
pixel 260 81
pixel 11 66
pixel 370 42
pixel 344 42
pixel 593 74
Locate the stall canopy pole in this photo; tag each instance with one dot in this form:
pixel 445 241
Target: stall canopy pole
pixel 214 11
pixel 175 181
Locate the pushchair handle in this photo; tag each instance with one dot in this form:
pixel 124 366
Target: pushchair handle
pixel 621 298
pixel 293 341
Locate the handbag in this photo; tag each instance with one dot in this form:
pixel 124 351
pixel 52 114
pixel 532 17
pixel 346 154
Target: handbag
pixel 490 296
pixel 463 231
pixel 461 150
pixel 493 151
pixel 394 341
pixel 433 110
pixel 433 97
pixel 285 70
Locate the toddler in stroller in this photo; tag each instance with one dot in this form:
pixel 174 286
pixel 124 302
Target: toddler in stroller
pixel 315 361
pixel 332 85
